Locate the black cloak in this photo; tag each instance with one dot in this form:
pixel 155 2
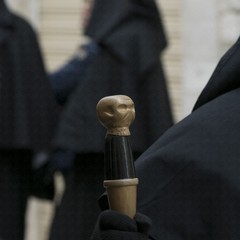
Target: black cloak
pixel 28 114
pixel 28 110
pixel 131 38
pixel 189 178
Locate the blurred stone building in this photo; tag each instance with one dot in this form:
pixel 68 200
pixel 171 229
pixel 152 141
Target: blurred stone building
pixel 198 33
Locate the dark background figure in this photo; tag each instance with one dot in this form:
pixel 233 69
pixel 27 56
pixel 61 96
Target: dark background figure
pixel 189 182
pixel 130 38
pixel 64 80
pixel 28 114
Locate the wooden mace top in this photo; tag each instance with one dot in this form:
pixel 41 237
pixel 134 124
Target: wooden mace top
pixel 116 113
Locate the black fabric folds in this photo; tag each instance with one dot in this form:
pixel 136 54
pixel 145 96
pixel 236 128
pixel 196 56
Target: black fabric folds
pixel 113 23
pixel 112 225
pixel 189 179
pixel 28 109
pixel 28 114
pixel 224 79
pixel 131 38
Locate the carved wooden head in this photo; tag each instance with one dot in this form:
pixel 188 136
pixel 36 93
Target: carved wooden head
pixel 116 113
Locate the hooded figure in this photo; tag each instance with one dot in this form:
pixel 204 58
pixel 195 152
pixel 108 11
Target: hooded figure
pixel 189 181
pixel 27 117
pixel 130 38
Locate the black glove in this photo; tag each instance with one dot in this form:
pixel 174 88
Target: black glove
pixel 42 184
pixel 112 225
pixel 61 160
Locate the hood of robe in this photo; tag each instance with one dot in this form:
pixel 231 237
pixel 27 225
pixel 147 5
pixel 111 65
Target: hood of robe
pixel 111 21
pixel 225 77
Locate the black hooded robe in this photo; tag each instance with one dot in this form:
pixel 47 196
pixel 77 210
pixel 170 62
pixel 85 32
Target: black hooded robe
pixel 28 115
pixel 190 177
pixel 131 38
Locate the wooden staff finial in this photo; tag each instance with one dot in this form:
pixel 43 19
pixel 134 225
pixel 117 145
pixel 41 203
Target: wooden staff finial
pixel 116 113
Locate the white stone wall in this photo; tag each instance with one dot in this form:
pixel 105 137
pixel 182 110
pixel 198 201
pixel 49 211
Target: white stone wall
pixel 209 28
pixel 172 56
pixel 200 48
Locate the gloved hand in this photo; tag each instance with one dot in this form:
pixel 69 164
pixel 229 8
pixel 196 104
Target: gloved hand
pixel 42 183
pixel 44 165
pixel 61 160
pixel 112 225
